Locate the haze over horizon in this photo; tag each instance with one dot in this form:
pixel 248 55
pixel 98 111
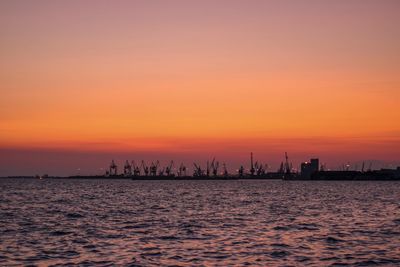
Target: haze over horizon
pixel 84 82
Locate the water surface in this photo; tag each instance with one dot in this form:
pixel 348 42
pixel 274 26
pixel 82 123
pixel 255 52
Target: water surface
pixel 192 223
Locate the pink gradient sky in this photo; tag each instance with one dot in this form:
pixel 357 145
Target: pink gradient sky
pixel 82 82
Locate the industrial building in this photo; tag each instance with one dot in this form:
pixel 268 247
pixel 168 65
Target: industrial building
pixel 308 168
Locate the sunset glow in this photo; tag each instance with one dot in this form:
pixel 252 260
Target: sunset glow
pixel 187 81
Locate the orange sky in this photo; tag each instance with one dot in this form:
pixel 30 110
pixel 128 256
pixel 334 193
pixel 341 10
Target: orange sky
pixel 209 78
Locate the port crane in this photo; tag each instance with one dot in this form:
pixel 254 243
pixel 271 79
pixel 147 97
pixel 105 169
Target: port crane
pixel 241 171
pixel 168 170
pixel 259 169
pixel 288 167
pixel 182 170
pixel 214 167
pixel 153 168
pixel 252 169
pixel 127 169
pixel 136 169
pixel 197 170
pixel 113 169
pixel 281 169
pixel 145 168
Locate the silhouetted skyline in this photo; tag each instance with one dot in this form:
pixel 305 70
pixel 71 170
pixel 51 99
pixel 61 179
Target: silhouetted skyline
pixel 83 82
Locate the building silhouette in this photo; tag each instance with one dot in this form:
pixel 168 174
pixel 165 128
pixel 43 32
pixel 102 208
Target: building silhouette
pixel 308 168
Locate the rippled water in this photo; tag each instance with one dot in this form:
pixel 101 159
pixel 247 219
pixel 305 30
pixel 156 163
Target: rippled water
pixel 144 223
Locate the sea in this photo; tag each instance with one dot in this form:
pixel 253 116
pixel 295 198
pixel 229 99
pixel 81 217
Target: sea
pixel 61 222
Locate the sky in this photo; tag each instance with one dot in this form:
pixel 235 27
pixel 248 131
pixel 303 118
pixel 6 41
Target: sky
pixel 84 82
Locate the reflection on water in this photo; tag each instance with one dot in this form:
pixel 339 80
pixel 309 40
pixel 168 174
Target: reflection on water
pixel 186 223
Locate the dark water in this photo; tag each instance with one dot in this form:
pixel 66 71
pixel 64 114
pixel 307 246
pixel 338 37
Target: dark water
pixel 145 223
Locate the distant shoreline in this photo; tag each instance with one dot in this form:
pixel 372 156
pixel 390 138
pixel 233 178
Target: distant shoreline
pixel 205 178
